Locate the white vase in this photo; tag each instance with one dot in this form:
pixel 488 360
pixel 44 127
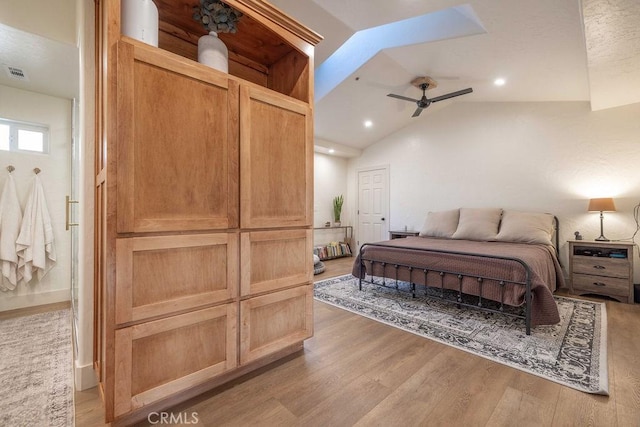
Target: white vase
pixel 140 20
pixel 213 53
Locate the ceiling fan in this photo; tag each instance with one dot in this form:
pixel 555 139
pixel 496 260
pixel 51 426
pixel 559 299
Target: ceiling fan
pixel 425 83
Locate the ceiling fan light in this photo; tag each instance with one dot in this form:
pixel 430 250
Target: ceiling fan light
pixel 424 102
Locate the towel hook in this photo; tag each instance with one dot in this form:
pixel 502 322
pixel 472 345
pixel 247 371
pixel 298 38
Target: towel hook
pixel 36 171
pixel 10 168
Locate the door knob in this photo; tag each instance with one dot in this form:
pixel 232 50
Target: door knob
pixel 382 219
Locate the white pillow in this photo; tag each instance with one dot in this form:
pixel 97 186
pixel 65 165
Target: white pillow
pixel 526 227
pixel 440 224
pixel 478 224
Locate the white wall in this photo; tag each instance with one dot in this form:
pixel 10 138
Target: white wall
pixel 547 157
pixel 27 106
pixel 330 180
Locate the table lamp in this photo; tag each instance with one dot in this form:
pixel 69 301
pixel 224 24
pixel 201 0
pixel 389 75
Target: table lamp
pixel 601 205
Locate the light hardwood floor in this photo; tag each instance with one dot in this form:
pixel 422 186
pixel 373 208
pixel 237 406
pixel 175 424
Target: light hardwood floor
pixel 355 371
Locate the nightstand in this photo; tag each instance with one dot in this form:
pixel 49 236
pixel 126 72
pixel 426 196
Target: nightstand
pixel 402 234
pixel 603 268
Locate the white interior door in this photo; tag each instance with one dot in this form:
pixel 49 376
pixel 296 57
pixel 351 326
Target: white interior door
pixel 373 205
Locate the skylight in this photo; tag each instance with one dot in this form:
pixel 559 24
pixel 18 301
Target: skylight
pixel 459 21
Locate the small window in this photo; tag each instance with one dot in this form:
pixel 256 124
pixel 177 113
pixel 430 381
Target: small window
pixel 22 136
pixel 30 140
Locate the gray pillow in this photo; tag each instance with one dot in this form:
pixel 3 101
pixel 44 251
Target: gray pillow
pixel 526 227
pixel 478 224
pixel 440 224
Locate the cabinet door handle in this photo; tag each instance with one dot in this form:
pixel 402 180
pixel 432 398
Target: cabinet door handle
pixel 599 284
pixel 68 223
pixel 599 267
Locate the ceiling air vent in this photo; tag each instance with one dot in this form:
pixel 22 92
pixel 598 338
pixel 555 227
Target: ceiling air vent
pixel 16 73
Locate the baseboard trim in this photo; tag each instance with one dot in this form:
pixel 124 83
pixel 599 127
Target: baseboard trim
pixel 15 302
pixel 36 309
pixel 85 377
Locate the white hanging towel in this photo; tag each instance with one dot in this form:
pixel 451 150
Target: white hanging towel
pixel 10 219
pixel 35 248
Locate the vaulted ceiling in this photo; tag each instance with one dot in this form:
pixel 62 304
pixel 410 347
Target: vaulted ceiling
pixel 546 50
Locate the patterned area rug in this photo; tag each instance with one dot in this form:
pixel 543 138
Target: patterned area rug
pixel 36 376
pixel 572 353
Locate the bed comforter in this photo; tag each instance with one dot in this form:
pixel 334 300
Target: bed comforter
pixel 546 273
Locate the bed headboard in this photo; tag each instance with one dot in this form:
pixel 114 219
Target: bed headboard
pixel 556 237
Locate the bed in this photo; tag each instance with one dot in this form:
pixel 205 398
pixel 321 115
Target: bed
pixel 484 258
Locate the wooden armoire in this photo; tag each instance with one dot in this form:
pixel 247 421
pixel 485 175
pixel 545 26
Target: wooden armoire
pixel 204 204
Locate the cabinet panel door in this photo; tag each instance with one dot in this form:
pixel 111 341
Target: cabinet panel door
pixel 177 144
pixel 160 275
pixel 272 260
pixel 157 359
pixel 274 321
pixel 276 160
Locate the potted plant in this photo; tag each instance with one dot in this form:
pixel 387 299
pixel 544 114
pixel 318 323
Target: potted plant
pixel 337 208
pixel 216 17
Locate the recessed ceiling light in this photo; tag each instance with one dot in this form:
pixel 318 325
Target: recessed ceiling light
pixel 331 151
pixel 499 82
pixel 368 123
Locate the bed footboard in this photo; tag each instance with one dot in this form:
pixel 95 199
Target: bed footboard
pixel 424 274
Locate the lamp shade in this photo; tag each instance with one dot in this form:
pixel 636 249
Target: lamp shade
pixel 601 205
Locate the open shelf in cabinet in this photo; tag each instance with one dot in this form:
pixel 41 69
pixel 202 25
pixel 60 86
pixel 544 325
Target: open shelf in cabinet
pixel 256 53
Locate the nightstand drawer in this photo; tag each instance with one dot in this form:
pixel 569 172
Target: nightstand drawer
pixel 601 266
pixel 600 284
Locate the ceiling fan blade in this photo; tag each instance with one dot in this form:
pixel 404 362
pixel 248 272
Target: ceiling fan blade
pixel 451 95
pixel 417 112
pixel 404 98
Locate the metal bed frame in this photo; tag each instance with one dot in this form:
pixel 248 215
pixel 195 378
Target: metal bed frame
pixel 459 275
